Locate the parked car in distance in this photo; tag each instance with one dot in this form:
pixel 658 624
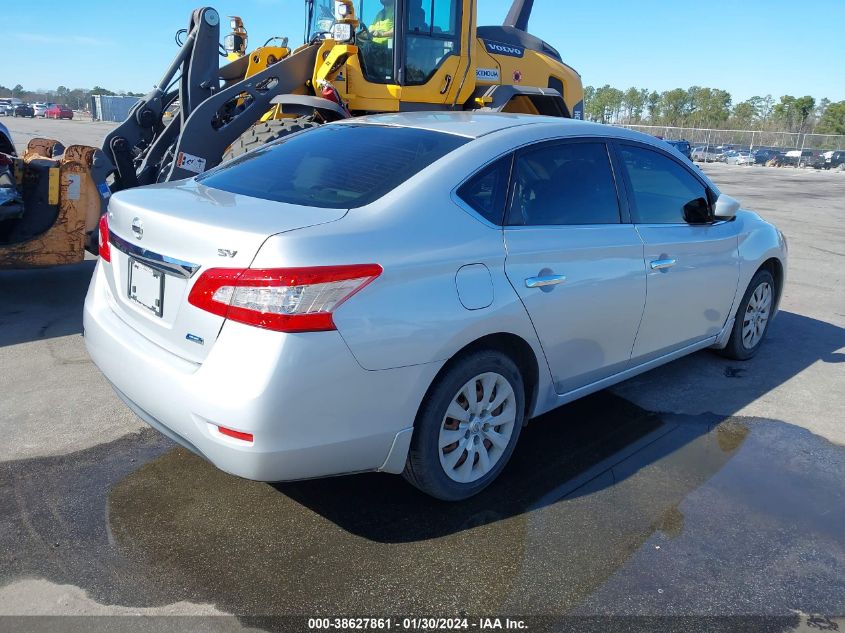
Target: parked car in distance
pixel 835 160
pixel 816 160
pixel 24 110
pixel 722 152
pixel 764 155
pixel 39 108
pixel 401 292
pixel 56 111
pixel 6 107
pixel 803 158
pixel 739 158
pixel 706 154
pixel 682 146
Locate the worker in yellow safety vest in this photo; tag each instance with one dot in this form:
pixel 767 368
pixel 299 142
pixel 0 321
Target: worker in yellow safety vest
pixel 382 28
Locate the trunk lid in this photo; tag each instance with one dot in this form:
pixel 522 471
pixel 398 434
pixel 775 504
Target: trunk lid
pixel 164 236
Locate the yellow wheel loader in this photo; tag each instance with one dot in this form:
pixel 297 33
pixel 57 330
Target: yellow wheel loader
pixel 359 57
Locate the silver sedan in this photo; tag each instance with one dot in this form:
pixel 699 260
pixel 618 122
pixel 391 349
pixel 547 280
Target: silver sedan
pixel 402 293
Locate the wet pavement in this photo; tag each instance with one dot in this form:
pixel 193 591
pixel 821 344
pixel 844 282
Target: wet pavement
pixel 609 518
pixel 605 509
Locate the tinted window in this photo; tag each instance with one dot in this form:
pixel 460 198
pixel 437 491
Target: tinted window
pixel 486 192
pixel 569 183
pixel 662 188
pixel 334 166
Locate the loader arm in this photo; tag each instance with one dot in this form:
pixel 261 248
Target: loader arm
pixel 138 145
pixel 205 136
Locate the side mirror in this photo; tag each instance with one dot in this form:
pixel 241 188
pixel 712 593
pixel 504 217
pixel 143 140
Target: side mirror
pixel 697 211
pixel 726 207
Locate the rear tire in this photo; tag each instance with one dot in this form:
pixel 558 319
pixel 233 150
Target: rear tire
pixel 266 132
pixel 752 318
pixel 467 427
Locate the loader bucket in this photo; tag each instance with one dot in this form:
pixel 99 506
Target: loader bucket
pixel 62 205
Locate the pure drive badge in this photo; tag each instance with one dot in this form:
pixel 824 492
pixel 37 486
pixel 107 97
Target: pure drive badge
pixel 497 48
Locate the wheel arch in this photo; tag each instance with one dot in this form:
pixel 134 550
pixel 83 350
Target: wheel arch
pixel 776 268
pixel 514 347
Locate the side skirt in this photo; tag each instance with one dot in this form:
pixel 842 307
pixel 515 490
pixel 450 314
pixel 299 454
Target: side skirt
pixel 575 394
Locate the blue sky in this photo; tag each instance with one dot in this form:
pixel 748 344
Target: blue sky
pixel 655 44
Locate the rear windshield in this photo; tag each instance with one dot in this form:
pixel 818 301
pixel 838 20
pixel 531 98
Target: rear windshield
pixel 333 166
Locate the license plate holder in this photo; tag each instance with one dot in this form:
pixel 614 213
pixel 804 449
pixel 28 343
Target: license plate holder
pixel 146 287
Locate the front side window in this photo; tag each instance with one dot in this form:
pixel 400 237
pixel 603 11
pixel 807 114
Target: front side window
pixel 664 191
pixel 567 183
pixel 336 166
pixel 433 28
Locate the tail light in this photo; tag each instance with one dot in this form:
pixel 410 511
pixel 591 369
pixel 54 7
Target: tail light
pixel 103 246
pixel 281 299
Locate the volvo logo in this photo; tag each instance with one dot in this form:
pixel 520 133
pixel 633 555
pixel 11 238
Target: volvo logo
pixel 138 228
pixel 504 49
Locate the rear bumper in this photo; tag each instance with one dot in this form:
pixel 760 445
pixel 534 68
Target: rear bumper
pixel 312 409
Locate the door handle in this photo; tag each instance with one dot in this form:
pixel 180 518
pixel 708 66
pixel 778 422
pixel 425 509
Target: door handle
pixel 544 280
pixel 446 85
pixel 662 264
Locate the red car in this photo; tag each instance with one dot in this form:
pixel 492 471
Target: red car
pixel 58 112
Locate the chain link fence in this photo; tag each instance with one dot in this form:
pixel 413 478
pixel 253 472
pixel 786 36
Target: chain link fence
pixel 751 139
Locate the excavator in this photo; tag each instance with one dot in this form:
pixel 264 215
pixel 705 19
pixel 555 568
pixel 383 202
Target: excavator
pixel 358 57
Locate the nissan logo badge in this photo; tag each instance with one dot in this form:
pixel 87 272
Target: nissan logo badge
pixel 138 228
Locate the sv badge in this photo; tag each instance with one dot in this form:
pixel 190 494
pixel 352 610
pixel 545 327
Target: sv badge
pixel 222 252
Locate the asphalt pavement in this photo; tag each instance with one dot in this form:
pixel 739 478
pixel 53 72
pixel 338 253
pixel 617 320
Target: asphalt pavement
pixel 705 488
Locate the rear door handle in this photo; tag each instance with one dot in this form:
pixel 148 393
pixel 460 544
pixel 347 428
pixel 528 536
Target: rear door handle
pixel 661 264
pixel 544 280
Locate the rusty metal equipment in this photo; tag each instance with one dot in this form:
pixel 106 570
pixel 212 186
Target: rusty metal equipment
pixel 63 193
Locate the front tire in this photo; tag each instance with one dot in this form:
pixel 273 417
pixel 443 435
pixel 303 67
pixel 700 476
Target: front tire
pixel 752 318
pixel 265 132
pixel 468 426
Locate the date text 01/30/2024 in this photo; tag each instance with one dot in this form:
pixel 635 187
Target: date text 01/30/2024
pixel 415 624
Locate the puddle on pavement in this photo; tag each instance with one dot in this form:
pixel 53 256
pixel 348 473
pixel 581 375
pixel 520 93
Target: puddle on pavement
pixel 605 509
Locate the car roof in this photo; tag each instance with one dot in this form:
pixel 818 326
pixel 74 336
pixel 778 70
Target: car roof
pixel 477 124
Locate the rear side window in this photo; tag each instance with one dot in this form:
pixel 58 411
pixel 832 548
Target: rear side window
pixel 334 166
pixel 567 183
pixel 487 191
pixel 662 188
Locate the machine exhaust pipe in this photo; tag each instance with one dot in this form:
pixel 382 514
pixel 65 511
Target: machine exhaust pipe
pixel 519 14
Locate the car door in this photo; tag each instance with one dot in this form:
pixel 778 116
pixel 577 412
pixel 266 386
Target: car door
pixel 576 266
pixel 691 259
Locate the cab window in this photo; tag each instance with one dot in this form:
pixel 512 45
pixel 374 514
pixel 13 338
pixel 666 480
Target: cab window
pixel 433 34
pixel 377 40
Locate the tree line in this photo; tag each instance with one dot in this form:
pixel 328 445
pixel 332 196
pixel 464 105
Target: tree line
pixel 77 98
pixel 713 108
